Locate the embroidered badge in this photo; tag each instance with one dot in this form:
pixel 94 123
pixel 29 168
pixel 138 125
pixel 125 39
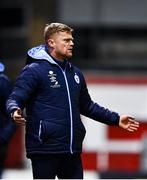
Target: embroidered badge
pixel 76 77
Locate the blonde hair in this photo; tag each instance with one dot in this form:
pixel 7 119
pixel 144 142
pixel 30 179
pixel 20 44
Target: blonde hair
pixel 53 28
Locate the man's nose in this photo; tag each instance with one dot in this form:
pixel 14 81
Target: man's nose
pixel 71 43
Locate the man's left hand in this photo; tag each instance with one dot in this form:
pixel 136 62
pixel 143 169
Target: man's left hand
pixel 129 123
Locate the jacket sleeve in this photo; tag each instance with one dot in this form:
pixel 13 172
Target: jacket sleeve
pixel 25 85
pixel 95 111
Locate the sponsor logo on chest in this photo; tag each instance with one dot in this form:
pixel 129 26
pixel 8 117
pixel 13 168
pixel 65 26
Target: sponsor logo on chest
pixel 54 82
pixel 53 79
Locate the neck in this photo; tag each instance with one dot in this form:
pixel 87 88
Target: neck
pixel 54 55
pixel 57 57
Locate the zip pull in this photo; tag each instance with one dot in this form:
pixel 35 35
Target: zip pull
pixel 40 126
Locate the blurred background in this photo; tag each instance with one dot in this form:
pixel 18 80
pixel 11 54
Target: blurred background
pixel 110 39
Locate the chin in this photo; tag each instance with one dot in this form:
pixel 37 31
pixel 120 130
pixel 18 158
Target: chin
pixel 69 56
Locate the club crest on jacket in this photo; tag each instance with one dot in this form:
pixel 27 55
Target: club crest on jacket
pixel 76 77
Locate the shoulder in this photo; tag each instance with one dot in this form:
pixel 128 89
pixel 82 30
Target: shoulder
pixel 76 69
pixel 78 72
pixel 34 67
pixel 33 70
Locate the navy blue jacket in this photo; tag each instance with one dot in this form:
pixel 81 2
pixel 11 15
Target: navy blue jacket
pixel 7 127
pixel 54 99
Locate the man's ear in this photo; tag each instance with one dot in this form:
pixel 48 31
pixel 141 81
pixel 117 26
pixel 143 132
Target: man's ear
pixel 51 43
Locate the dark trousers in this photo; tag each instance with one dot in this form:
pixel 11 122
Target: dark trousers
pixel 64 166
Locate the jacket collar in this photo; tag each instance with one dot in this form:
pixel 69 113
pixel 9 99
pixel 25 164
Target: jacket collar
pixel 40 53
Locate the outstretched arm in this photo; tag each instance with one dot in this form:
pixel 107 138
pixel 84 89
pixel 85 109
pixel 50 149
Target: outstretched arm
pixel 129 123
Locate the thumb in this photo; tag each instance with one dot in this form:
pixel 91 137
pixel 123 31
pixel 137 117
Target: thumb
pixel 131 117
pixel 19 111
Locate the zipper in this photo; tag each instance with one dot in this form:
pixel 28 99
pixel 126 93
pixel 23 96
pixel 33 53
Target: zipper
pixel 39 134
pixel 70 109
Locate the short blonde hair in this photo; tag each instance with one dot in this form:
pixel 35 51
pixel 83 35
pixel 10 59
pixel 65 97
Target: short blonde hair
pixel 53 28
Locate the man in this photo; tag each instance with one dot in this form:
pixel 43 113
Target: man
pixel 7 127
pixel 54 93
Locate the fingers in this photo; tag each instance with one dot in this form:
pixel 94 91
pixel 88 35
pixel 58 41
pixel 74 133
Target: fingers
pixel 20 121
pixel 132 129
pixel 133 120
pixel 132 126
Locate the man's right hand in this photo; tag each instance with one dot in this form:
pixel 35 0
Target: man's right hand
pixel 17 117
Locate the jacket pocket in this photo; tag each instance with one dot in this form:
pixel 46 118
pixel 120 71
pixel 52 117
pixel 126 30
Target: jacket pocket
pixel 52 132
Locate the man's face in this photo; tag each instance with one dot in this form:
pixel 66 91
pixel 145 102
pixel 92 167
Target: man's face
pixel 61 44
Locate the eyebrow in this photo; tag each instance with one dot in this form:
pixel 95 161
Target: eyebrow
pixel 69 39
